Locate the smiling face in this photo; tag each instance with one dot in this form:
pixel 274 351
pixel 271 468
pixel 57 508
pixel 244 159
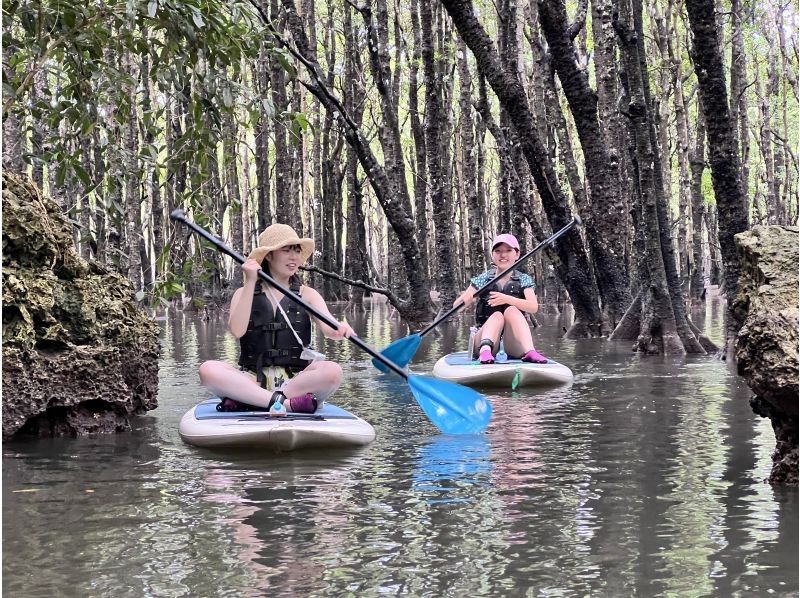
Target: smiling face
pixel 284 262
pixel 504 256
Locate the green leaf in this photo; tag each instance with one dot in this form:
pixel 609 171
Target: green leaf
pixel 80 171
pixel 140 296
pixel 227 97
pixel 152 9
pixel 61 173
pixel 287 66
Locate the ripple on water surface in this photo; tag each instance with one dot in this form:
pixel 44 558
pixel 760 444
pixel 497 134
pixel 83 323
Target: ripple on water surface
pixel 641 477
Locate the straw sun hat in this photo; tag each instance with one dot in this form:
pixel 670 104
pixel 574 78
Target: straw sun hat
pixel 276 236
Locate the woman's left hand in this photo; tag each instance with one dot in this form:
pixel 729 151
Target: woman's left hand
pixel 496 299
pixel 344 331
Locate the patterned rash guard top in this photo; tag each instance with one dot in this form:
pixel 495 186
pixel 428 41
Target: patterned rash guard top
pixel 515 286
pixel 481 279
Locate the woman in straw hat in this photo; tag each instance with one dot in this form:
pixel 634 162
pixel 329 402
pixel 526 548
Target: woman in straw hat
pixel 500 313
pixel 277 363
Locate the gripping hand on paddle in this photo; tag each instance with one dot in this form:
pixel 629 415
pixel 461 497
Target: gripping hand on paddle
pixel 344 331
pixel 250 269
pixel 467 297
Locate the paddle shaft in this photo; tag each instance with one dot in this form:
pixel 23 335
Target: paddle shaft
pixel 514 266
pixel 180 216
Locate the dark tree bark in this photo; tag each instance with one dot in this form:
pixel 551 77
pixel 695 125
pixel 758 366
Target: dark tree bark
pixel 417 309
pixel 658 329
pixel 697 164
pixel 420 163
pixel 738 97
pixel 263 207
pixel 356 258
pixel 283 158
pixel 686 330
pixel 726 170
pixel 389 135
pixel 473 253
pixel 438 177
pixel 606 238
pixel 574 261
pixel 513 181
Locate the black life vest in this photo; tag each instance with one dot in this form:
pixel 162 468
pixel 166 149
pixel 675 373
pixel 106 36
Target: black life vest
pixel 269 340
pixel 513 288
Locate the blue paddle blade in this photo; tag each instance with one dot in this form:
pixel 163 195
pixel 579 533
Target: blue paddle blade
pixel 401 352
pixel 453 408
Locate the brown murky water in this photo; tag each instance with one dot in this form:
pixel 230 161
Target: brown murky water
pixel 643 477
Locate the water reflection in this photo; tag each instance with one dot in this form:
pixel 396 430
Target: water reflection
pixel 642 477
pixel 447 464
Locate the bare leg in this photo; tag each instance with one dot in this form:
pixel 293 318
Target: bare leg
pixel 321 378
pixel 224 380
pixel 491 329
pixel 517 337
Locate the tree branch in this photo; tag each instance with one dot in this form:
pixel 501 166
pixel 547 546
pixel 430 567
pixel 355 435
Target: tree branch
pixel 575 27
pixel 393 299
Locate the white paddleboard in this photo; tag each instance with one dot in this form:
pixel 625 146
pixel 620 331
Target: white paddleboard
pixel 462 369
pixel 330 426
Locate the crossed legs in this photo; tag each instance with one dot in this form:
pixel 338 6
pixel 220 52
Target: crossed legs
pixel 321 378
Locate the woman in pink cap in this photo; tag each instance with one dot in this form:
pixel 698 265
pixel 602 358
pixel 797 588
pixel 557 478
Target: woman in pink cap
pixel 500 312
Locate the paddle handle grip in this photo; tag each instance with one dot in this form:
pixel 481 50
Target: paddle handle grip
pixel 576 220
pixel 180 216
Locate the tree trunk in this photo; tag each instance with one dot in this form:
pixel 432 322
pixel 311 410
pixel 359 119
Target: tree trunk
pixel 738 99
pixel 726 170
pixel 356 251
pixel 230 153
pixel 267 109
pixel 419 169
pixel 133 196
pixel 697 164
pixel 417 309
pixel 606 238
pixel 658 331
pixel 473 252
pixel 438 177
pixel 283 158
pixel 575 263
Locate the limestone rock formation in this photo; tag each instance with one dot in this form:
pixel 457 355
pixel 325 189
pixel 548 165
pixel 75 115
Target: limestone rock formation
pixel 78 356
pixel 767 344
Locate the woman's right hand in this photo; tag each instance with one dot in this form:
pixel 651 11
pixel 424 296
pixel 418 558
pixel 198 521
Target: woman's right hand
pixel 250 269
pixel 466 299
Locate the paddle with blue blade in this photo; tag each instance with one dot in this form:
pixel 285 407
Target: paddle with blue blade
pixel 402 351
pixel 452 408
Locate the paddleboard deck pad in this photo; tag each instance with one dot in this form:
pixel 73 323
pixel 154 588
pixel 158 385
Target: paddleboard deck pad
pixel 329 426
pixel 511 373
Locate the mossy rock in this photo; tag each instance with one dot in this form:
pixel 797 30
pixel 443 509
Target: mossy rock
pixel 766 346
pixel 79 357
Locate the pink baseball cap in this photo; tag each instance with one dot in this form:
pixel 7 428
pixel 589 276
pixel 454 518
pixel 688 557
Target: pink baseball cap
pixel 509 240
